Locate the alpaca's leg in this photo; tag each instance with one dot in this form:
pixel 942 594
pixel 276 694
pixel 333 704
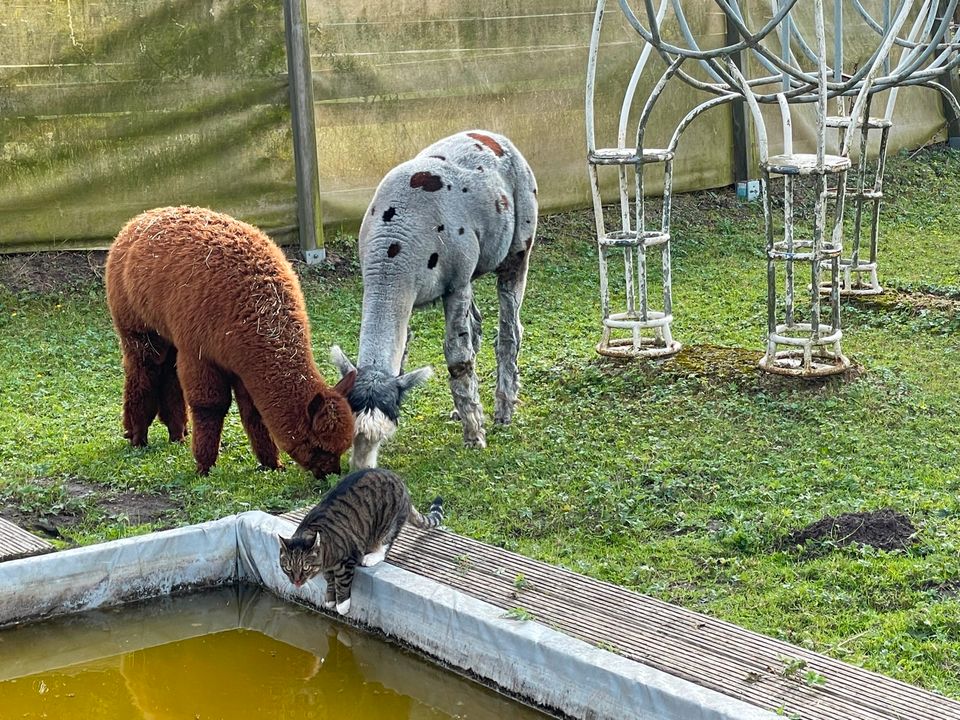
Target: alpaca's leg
pixel 476 327
pixel 406 349
pixel 173 411
pixel 141 358
pixel 263 445
pixel 460 355
pixel 476 336
pixel 208 394
pixel 207 429
pixel 511 283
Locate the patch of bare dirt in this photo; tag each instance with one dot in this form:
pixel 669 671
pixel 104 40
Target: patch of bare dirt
pixel 65 271
pixel 81 498
pixel 884 529
pixel 947 589
pixel 694 205
pixel 341 261
pixel 50 272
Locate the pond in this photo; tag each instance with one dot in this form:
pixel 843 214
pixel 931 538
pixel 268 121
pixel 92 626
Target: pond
pixel 233 653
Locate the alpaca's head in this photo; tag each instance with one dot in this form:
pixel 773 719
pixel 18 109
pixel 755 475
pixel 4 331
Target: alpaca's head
pixel 329 429
pixel 375 400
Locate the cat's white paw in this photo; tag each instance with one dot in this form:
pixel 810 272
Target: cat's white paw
pixel 329 604
pixel 371 559
pixel 343 607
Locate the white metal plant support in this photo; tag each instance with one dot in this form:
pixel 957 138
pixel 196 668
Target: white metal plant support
pixel 803 338
pixel 811 344
pixel 637 329
pixel 858 268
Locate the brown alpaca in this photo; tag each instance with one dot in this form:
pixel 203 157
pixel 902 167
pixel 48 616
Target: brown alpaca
pixel 208 303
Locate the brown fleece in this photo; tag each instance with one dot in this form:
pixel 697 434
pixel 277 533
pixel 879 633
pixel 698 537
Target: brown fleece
pixel 209 304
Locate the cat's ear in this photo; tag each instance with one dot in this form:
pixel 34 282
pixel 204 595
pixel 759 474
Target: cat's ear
pixel 410 380
pixel 284 542
pixel 315 553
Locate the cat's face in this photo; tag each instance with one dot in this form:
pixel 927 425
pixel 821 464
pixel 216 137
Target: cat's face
pixel 300 559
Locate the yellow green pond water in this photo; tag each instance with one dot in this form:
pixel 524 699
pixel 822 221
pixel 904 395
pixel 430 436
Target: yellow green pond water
pixel 236 654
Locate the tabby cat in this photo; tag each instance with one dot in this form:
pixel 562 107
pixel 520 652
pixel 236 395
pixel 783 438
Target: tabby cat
pixel 355 523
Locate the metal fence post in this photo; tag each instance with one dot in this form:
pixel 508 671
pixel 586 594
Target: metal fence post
pixel 304 130
pixel 745 161
pixel 951 81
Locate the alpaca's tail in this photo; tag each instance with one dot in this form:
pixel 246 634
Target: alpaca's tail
pixel 431 520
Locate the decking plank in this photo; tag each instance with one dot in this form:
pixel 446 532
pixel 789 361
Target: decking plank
pixel 15 542
pixel 708 637
pixel 740 668
pixel 704 650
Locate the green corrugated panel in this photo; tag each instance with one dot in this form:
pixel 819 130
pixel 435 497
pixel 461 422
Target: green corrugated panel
pixel 108 108
pixel 113 107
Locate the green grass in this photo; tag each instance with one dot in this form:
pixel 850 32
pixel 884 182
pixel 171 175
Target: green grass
pixel 675 479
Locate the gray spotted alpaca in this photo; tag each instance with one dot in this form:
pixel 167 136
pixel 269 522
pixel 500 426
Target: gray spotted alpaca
pixel 465 206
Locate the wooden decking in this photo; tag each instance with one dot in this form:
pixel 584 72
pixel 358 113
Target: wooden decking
pixel 709 652
pixel 16 542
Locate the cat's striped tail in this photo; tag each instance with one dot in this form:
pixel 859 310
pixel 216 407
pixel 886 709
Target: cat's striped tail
pixel 431 520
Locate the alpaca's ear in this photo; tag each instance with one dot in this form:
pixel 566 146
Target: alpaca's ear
pixel 341 361
pixel 315 405
pixel 410 380
pixel 325 412
pixel 346 383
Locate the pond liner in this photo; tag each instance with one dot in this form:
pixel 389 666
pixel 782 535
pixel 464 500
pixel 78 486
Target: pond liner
pixel 524 658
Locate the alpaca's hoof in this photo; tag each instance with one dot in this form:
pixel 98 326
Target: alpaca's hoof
pixel 136 439
pixel 201 470
pixel 178 437
pixel 503 411
pixel 454 415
